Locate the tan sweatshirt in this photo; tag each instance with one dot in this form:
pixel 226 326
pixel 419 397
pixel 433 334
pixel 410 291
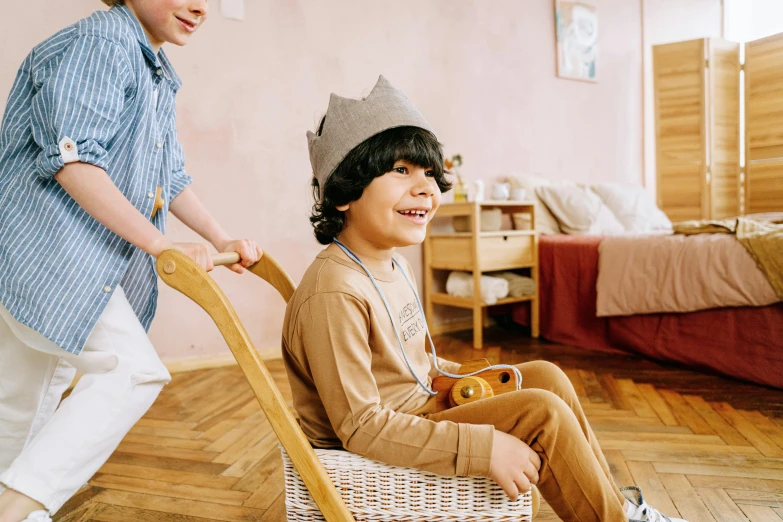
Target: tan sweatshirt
pixel 350 383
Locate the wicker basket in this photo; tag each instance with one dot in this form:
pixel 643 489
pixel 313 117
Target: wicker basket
pixel 375 491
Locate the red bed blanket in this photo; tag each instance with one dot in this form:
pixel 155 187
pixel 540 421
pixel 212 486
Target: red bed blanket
pixel 746 342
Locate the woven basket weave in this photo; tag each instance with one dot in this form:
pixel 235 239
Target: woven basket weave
pixel 375 491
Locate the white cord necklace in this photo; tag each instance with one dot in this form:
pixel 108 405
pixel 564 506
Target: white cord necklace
pixel 355 258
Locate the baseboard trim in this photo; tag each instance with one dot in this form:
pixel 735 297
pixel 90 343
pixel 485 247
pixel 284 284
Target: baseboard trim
pixel 215 361
pixel 200 363
pixel 193 364
pixel 457 325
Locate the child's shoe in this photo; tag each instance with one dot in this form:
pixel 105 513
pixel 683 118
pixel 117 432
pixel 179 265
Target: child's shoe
pixel 38 516
pixel 640 511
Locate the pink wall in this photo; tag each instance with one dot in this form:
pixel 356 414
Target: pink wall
pixel 482 72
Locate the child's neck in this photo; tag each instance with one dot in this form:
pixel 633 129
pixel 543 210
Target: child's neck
pixel 156 45
pixel 373 257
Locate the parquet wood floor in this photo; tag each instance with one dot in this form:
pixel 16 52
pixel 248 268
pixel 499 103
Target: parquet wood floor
pixel 703 447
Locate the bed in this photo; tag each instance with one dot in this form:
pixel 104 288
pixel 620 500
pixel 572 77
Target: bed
pixel 742 342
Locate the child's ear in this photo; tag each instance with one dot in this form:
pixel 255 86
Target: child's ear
pixel 343 208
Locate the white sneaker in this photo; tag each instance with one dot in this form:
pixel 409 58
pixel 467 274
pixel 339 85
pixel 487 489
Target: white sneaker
pixel 641 512
pixel 38 516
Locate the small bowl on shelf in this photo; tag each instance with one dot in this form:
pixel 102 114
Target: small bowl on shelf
pixel 518 194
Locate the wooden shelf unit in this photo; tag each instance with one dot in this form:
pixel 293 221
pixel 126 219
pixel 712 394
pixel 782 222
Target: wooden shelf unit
pixel 479 252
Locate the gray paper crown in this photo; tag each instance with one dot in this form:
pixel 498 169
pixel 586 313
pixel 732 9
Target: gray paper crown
pixel 351 121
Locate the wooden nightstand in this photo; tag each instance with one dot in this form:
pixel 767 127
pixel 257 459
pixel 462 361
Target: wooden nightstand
pixel 479 252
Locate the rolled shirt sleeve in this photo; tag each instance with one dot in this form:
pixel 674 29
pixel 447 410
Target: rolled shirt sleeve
pixel 76 112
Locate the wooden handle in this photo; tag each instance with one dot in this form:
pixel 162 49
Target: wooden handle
pixel 183 274
pixel 159 203
pixel 226 258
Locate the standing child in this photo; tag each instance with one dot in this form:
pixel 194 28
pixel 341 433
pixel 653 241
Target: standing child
pixel 354 333
pixel 89 167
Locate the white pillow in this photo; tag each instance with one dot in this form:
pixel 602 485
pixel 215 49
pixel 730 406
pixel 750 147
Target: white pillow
pixel 578 210
pixel 545 221
pixel 633 206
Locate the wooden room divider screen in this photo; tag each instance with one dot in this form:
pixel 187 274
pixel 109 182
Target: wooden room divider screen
pixel 697 128
pixel 697 115
pixel 764 125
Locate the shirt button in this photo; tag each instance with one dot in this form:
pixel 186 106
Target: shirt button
pixel 159 144
pixel 107 289
pixel 150 195
pixel 159 72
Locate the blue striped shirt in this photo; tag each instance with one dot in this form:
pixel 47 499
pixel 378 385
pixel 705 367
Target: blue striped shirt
pixel 95 92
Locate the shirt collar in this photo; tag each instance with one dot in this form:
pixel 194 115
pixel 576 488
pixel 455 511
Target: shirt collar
pixel 159 60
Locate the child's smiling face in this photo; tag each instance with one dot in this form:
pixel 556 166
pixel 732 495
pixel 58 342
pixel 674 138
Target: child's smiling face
pixel 394 208
pixel 169 21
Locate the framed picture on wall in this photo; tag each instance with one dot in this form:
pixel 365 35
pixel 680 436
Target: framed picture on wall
pixel 576 25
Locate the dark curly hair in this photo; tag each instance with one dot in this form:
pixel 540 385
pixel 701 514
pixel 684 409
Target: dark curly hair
pixel 112 3
pixel 370 159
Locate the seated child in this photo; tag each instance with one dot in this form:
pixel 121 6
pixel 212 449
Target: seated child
pixel 354 335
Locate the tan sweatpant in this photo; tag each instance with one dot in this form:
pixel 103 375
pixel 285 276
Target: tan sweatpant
pixel 546 415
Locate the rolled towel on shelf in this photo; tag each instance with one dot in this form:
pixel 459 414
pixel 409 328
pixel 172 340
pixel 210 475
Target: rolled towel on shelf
pixel 518 285
pixel 460 284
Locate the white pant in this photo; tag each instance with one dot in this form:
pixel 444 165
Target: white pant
pixel 46 454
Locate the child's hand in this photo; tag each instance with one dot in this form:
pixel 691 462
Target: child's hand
pixel 513 465
pixel 198 252
pixel 248 250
